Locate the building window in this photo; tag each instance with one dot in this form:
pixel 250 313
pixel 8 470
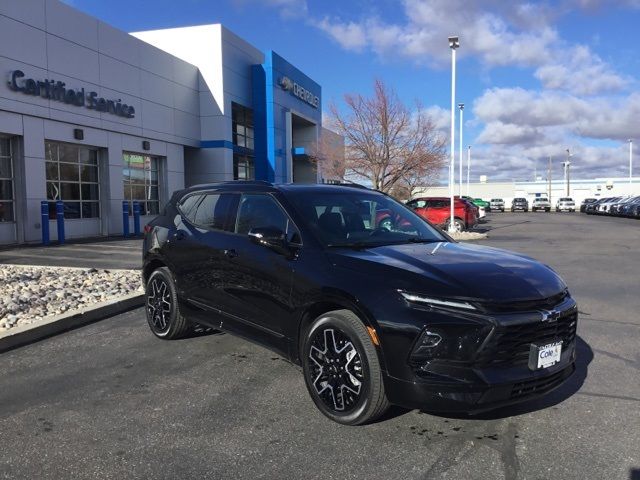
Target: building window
pixel 140 176
pixel 6 181
pixel 243 167
pixel 242 122
pixel 72 176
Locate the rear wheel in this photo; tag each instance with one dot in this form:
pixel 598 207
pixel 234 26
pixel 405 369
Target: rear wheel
pixel 458 225
pixel 163 315
pixel 341 369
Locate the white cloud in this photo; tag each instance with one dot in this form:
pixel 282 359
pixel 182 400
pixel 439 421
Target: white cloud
pixel 580 71
pixel 350 36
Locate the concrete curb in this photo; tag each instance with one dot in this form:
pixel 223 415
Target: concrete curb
pixel 25 334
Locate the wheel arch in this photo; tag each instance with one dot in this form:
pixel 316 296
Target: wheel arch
pixel 328 303
pixel 150 266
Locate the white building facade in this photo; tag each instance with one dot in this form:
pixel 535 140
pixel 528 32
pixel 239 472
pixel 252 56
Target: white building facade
pixel 577 189
pixel 97 118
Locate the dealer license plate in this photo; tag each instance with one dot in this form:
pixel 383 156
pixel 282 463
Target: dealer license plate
pixel 544 356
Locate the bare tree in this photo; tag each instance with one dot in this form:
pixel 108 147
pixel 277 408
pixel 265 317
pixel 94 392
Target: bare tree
pixel 386 143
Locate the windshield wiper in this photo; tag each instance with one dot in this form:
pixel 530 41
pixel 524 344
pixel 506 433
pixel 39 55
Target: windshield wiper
pixel 422 240
pixel 356 245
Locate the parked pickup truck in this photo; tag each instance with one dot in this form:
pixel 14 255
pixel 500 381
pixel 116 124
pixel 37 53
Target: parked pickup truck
pixel 497 204
pixel 541 203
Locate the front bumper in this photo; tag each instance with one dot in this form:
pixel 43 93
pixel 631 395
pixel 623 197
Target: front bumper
pixel 476 398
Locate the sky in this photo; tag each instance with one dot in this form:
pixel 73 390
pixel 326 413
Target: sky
pixel 537 78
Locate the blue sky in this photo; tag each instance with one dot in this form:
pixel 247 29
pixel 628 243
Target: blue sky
pixel 536 77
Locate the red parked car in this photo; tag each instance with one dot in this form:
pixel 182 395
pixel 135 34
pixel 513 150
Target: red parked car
pixel 437 210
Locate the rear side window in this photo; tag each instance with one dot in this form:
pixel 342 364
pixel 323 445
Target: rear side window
pixel 214 211
pixel 187 205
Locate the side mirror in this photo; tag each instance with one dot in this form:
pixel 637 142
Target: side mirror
pixel 272 238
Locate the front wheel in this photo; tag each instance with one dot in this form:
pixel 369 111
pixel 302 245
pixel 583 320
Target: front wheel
pixel 341 369
pixel 163 316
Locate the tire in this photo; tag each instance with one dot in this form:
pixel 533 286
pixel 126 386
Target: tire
pixel 457 223
pixel 161 302
pixel 326 358
pixel 547 209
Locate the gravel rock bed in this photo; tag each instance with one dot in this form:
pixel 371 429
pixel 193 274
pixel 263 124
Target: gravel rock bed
pixel 30 294
pixel 462 236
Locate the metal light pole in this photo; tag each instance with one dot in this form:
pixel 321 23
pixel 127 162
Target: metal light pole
pixel 468 167
pixel 454 43
pixel 567 173
pixel 630 167
pixel 461 107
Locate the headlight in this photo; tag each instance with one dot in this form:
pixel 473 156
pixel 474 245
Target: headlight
pixel 458 342
pixel 437 302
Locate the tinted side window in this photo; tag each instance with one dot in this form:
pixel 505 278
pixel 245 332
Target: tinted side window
pixel 214 211
pixel 187 205
pixel 262 211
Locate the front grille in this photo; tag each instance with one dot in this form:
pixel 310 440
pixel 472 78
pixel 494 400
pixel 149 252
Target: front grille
pixel 538 386
pixel 526 305
pixel 510 345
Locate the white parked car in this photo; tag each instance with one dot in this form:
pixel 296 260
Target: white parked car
pixel 541 203
pixel 496 204
pixel 565 204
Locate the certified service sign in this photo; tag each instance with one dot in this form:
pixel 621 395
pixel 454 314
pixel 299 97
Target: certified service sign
pixel 297 90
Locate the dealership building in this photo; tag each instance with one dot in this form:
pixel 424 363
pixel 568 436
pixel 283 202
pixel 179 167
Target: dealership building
pixel 95 117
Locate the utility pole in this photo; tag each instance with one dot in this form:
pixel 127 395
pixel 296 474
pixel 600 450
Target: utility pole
pixel 568 164
pixel 549 177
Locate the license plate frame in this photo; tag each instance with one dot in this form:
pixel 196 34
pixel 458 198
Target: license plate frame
pixel 544 356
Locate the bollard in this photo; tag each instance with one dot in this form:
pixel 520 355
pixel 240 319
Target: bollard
pixel 44 220
pixel 136 218
pixel 125 218
pixel 60 220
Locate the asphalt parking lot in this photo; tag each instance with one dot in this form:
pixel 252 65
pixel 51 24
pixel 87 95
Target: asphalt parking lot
pixel 105 253
pixel 111 401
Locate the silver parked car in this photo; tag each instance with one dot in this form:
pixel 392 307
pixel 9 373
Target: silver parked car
pixel 496 204
pixel 565 204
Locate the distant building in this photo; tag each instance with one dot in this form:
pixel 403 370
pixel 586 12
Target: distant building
pixel 578 189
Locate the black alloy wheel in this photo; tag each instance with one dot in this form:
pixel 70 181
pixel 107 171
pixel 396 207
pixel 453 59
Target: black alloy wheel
pixel 341 369
pixel 163 315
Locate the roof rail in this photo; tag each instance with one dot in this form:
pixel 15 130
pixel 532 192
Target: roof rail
pixel 346 183
pixel 235 182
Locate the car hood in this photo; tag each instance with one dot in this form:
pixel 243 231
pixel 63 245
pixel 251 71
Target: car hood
pixel 449 269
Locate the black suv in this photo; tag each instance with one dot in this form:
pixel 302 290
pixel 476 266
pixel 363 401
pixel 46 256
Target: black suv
pixel 377 305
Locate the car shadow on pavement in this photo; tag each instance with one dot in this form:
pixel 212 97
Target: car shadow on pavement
pixel 486 227
pixel 584 356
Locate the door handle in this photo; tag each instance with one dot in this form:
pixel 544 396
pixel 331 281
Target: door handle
pixel 230 253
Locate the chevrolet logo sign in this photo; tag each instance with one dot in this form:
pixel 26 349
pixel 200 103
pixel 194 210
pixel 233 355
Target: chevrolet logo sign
pixel 550 315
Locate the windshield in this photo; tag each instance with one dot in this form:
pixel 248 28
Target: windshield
pixel 361 219
pixel 542 200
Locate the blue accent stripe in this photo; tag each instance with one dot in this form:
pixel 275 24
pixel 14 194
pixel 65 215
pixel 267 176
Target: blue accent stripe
pixel 216 144
pixel 226 144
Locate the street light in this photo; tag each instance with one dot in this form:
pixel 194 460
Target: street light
pixel 567 172
pixel 454 43
pixel 461 107
pixel 468 167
